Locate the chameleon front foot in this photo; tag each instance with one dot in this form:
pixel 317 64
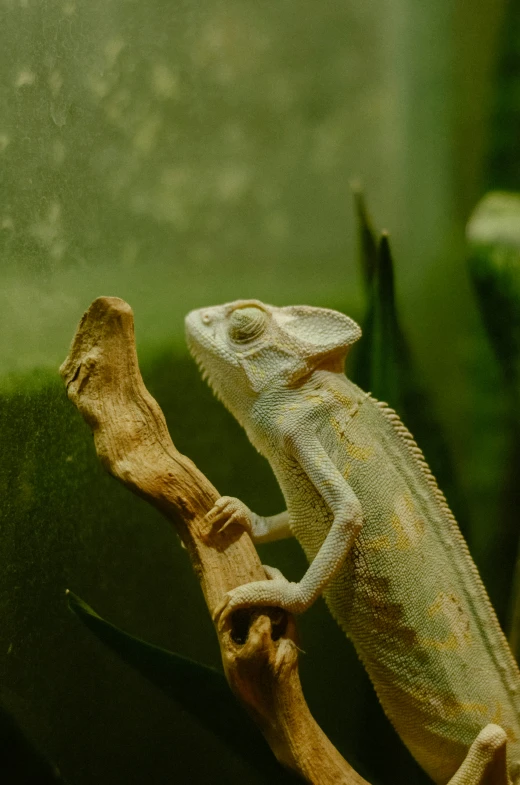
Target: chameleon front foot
pixel 225 512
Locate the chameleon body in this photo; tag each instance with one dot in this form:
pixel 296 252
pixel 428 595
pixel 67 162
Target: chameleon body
pixel 383 546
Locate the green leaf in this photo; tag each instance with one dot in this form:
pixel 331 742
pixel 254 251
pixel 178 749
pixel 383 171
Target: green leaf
pixel 383 363
pixel 367 238
pixel 383 360
pixel 20 762
pixel 198 689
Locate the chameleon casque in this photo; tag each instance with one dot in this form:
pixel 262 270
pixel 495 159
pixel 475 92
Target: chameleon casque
pixel 383 546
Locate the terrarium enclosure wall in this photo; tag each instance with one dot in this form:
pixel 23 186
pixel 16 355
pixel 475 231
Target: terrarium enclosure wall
pixel 181 154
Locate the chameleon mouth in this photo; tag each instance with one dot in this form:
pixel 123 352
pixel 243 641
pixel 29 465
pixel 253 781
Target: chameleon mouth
pixel 200 345
pixel 196 352
pixel 195 340
pixel 200 366
pixel 206 377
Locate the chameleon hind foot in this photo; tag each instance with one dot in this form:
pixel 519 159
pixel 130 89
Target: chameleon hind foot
pixel 485 763
pixel 273 573
pixel 276 591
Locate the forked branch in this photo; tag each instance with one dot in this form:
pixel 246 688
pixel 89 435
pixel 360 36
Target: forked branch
pixel 132 441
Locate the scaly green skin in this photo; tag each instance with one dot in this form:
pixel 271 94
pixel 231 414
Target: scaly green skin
pixel 384 548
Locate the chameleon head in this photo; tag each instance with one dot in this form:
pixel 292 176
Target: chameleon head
pixel 245 347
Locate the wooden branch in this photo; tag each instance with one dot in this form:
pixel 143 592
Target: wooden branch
pixel 132 441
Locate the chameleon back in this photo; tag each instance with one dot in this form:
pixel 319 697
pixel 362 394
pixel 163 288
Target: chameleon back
pixel 409 595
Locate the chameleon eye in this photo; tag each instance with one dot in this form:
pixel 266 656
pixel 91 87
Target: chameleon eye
pixel 246 324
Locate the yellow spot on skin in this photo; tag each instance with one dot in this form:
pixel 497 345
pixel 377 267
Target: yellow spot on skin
pixel 314 398
pixel 406 523
pixel 358 452
pixel 381 543
pixel 449 607
pixel 337 427
pixel 451 708
pixel 448 707
pixel 408 528
pixel 479 708
pixel 498 719
pixel 341 398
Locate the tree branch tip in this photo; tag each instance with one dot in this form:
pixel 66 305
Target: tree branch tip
pixel 99 316
pixel 101 310
pixel 110 303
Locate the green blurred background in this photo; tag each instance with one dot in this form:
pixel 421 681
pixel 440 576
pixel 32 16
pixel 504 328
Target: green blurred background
pixel 182 154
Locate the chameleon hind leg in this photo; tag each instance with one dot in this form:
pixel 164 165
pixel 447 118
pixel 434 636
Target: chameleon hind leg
pixel 485 763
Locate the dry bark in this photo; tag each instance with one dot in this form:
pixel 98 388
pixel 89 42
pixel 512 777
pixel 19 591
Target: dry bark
pixel 258 646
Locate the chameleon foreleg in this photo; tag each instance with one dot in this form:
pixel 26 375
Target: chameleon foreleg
pixel 343 503
pixel 485 763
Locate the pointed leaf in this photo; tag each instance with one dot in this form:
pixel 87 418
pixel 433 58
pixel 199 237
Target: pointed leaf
pixel 383 365
pixel 367 237
pixel 20 762
pixel 200 690
pixel 383 358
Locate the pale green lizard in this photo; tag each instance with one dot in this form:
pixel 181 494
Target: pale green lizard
pixel 382 543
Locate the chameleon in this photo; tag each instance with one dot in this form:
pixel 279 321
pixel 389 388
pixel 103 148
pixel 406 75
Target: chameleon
pixel 383 547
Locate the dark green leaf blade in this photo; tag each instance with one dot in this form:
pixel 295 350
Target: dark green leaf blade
pixel 198 689
pixel 383 363
pixel 367 237
pixel 20 762
pixel 383 360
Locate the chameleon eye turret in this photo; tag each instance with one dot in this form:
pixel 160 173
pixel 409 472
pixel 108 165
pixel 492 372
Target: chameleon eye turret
pixel 246 324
